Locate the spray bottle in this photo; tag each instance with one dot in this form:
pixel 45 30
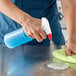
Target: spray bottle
pixel 18 37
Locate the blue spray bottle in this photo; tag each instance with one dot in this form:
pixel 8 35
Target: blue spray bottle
pixel 18 37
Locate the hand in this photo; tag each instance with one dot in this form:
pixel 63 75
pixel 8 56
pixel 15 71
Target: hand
pixel 33 29
pixel 71 48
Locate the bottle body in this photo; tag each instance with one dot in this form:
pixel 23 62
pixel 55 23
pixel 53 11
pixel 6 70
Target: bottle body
pixel 16 38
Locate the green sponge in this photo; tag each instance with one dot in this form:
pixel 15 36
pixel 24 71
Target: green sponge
pixel 60 54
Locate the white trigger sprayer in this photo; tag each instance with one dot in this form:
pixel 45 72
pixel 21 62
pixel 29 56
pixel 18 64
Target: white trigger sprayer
pixel 46 27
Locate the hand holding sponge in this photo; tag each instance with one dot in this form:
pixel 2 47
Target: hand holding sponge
pixel 60 54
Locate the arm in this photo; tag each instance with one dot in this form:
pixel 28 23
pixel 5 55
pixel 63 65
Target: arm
pixel 31 26
pixel 9 9
pixel 69 10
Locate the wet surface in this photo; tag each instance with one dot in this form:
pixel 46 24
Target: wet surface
pixel 30 60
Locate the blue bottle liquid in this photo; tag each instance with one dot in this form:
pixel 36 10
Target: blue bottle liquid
pixel 16 38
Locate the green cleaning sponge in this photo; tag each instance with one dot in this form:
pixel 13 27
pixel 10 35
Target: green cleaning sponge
pixel 60 54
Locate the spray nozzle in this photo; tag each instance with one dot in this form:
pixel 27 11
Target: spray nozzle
pixel 46 27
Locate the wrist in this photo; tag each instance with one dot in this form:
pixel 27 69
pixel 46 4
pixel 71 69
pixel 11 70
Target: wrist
pixel 72 39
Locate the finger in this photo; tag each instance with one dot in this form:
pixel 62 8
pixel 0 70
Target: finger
pixel 41 37
pixel 42 34
pixel 28 33
pixel 73 51
pixel 32 36
pixel 37 36
pixel 68 52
